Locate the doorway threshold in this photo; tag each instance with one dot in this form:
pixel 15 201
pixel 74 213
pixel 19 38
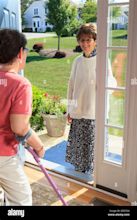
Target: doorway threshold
pixel 60 169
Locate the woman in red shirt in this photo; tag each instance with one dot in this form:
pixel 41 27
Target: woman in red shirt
pixel 15 112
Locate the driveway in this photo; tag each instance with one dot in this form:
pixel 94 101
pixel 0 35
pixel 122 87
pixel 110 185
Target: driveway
pixel 38 35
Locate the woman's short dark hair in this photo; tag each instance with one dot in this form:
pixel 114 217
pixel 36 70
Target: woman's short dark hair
pixel 11 41
pixel 88 29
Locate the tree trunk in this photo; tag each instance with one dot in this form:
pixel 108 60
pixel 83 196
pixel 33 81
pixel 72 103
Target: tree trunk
pixel 58 42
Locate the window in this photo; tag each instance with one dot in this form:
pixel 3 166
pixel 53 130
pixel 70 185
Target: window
pixel 13 20
pixel 46 10
pixel 6 15
pixel 35 11
pixel 117 42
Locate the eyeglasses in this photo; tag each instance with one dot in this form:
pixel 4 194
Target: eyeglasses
pixel 26 49
pixel 89 40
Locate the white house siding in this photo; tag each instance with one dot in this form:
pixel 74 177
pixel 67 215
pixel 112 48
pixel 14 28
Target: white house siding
pixel 121 21
pixel 35 17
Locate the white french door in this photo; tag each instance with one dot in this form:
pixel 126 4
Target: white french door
pixel 116 105
pixel 10 14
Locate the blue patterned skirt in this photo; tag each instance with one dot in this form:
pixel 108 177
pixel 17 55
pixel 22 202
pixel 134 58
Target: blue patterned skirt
pixel 80 147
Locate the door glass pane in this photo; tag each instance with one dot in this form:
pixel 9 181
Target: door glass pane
pixel 115 104
pixel 117 25
pixel 113 145
pixel 13 21
pixel 6 16
pixel 116 68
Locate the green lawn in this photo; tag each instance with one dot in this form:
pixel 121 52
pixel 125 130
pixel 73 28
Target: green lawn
pixel 51 75
pixel 51 42
pixel 118 37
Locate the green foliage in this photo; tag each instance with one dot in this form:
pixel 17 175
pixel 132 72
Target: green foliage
pixel 54 106
pixel 73 24
pixel 89 11
pixel 36 119
pixel 116 12
pixel 62 15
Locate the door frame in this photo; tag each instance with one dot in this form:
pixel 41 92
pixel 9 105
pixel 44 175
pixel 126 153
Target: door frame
pixel 131 135
pixel 128 171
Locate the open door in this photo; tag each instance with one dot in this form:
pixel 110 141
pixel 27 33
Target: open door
pixel 10 15
pixel 116 105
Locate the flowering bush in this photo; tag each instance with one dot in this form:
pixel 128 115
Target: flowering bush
pixel 53 105
pixel 38 46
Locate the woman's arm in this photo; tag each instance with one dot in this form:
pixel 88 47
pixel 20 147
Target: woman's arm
pixel 20 125
pixel 70 91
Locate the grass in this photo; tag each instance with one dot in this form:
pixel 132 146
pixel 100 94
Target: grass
pixel 118 37
pixel 50 75
pixel 51 42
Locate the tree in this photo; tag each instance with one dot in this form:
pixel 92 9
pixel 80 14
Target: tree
pixel 62 15
pixel 89 11
pixel 73 24
pixel 115 13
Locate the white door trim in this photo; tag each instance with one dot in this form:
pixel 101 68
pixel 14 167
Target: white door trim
pixel 128 171
pixel 131 136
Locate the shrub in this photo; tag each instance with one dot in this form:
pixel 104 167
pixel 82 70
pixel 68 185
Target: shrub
pixel 77 49
pixel 49 29
pixel 66 34
pixel 27 30
pixel 59 54
pixel 36 119
pixel 38 46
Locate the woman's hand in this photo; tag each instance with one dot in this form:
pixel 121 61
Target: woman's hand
pixel 69 119
pixel 40 151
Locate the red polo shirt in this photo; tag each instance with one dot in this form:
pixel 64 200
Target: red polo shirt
pixel 15 98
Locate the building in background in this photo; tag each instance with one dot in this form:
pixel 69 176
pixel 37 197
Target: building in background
pixel 35 17
pixel 121 21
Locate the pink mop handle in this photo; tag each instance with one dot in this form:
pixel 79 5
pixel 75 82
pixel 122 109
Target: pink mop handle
pixel 47 175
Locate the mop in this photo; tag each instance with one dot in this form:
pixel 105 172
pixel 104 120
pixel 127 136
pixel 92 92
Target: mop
pixel 52 183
